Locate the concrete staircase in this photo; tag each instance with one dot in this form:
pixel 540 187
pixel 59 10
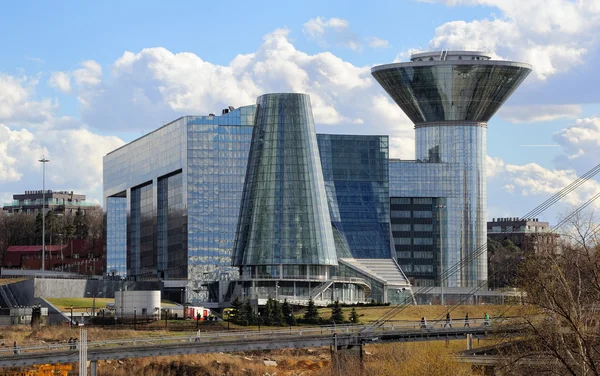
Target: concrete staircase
pixel 384 270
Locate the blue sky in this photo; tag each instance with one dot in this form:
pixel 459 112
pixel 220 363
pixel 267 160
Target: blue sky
pixel 79 79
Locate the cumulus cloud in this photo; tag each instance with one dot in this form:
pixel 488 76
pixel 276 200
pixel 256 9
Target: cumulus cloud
pixel 580 144
pixel 539 113
pixel 60 81
pixel 156 85
pixel 16 101
pixel 535 183
pixel 75 152
pixel 89 74
pixel 553 35
pixel 332 31
pixel 377 42
pixel 85 78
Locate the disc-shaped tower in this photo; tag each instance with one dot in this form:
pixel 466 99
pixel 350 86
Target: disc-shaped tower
pixel 450 96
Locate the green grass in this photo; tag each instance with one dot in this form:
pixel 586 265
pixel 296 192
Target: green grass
pixel 65 304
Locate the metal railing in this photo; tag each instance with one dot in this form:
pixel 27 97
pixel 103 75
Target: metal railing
pixel 253 335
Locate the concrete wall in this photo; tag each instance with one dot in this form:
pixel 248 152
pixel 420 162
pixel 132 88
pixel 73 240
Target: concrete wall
pixel 80 288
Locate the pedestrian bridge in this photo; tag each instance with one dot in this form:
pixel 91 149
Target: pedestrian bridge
pixel 233 341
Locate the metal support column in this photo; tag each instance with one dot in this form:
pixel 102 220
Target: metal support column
pixel 93 368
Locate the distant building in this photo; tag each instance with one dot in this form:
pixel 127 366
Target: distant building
pixel 528 234
pixel 79 256
pixel 61 202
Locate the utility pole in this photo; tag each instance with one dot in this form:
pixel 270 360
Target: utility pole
pixel 44 161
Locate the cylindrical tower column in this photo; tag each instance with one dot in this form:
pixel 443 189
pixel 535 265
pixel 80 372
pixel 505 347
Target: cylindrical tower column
pixel 450 96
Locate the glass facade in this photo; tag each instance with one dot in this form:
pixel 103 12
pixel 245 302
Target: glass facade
pixel 217 158
pixel 116 235
pixel 451 90
pixel 173 197
pixel 450 102
pixel 355 169
pixel 284 223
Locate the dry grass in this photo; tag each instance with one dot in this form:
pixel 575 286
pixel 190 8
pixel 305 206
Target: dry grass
pixel 432 312
pixel 6 281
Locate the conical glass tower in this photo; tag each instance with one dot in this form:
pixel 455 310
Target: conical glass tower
pixel 284 228
pixel 450 96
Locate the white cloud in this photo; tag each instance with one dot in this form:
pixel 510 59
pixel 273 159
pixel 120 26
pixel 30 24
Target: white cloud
pixel 60 81
pixel 156 85
pixel 89 74
pixel 16 103
pixel 537 183
pixel 539 113
pixel 377 42
pixel 580 143
pixel 75 152
pixel 332 31
pixel 553 35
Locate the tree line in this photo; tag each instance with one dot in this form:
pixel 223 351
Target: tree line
pixel 26 229
pixel 275 313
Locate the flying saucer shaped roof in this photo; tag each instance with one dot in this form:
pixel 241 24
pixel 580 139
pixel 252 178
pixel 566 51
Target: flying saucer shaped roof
pixel 451 90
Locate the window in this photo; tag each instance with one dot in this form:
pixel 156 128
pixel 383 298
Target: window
pixel 402 241
pixel 397 227
pixel 423 227
pixel 423 268
pixel 400 213
pixel 423 241
pixel 422 201
pixel 406 268
pixel 422 214
pixel 400 200
pixel 403 254
pixel 423 254
pixel 144 311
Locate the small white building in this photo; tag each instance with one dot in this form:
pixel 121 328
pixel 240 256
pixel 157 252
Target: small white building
pixel 142 303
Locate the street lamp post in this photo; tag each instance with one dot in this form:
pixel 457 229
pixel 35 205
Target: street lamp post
pixel 44 161
pixel 134 317
pixel 71 321
pixel 94 301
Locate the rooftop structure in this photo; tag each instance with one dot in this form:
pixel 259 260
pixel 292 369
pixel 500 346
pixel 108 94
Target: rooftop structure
pixel 61 202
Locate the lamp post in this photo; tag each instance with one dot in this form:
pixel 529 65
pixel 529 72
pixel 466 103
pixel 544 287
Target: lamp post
pixel 94 301
pixel 134 317
pixel 259 321
pixel 44 161
pixel 71 321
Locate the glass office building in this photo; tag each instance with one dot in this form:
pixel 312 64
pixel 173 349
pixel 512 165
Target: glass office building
pixel 355 171
pixel 439 200
pixel 172 200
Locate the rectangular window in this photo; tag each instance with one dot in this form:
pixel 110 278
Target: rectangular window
pixel 400 200
pixel 423 201
pixel 404 254
pixel 423 268
pixel 423 227
pixel 406 268
pixel 423 254
pixel 402 241
pixel 423 241
pixel 398 227
pixel 422 214
pixel 400 213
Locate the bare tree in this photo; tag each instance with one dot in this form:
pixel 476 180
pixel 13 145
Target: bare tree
pixel 563 285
